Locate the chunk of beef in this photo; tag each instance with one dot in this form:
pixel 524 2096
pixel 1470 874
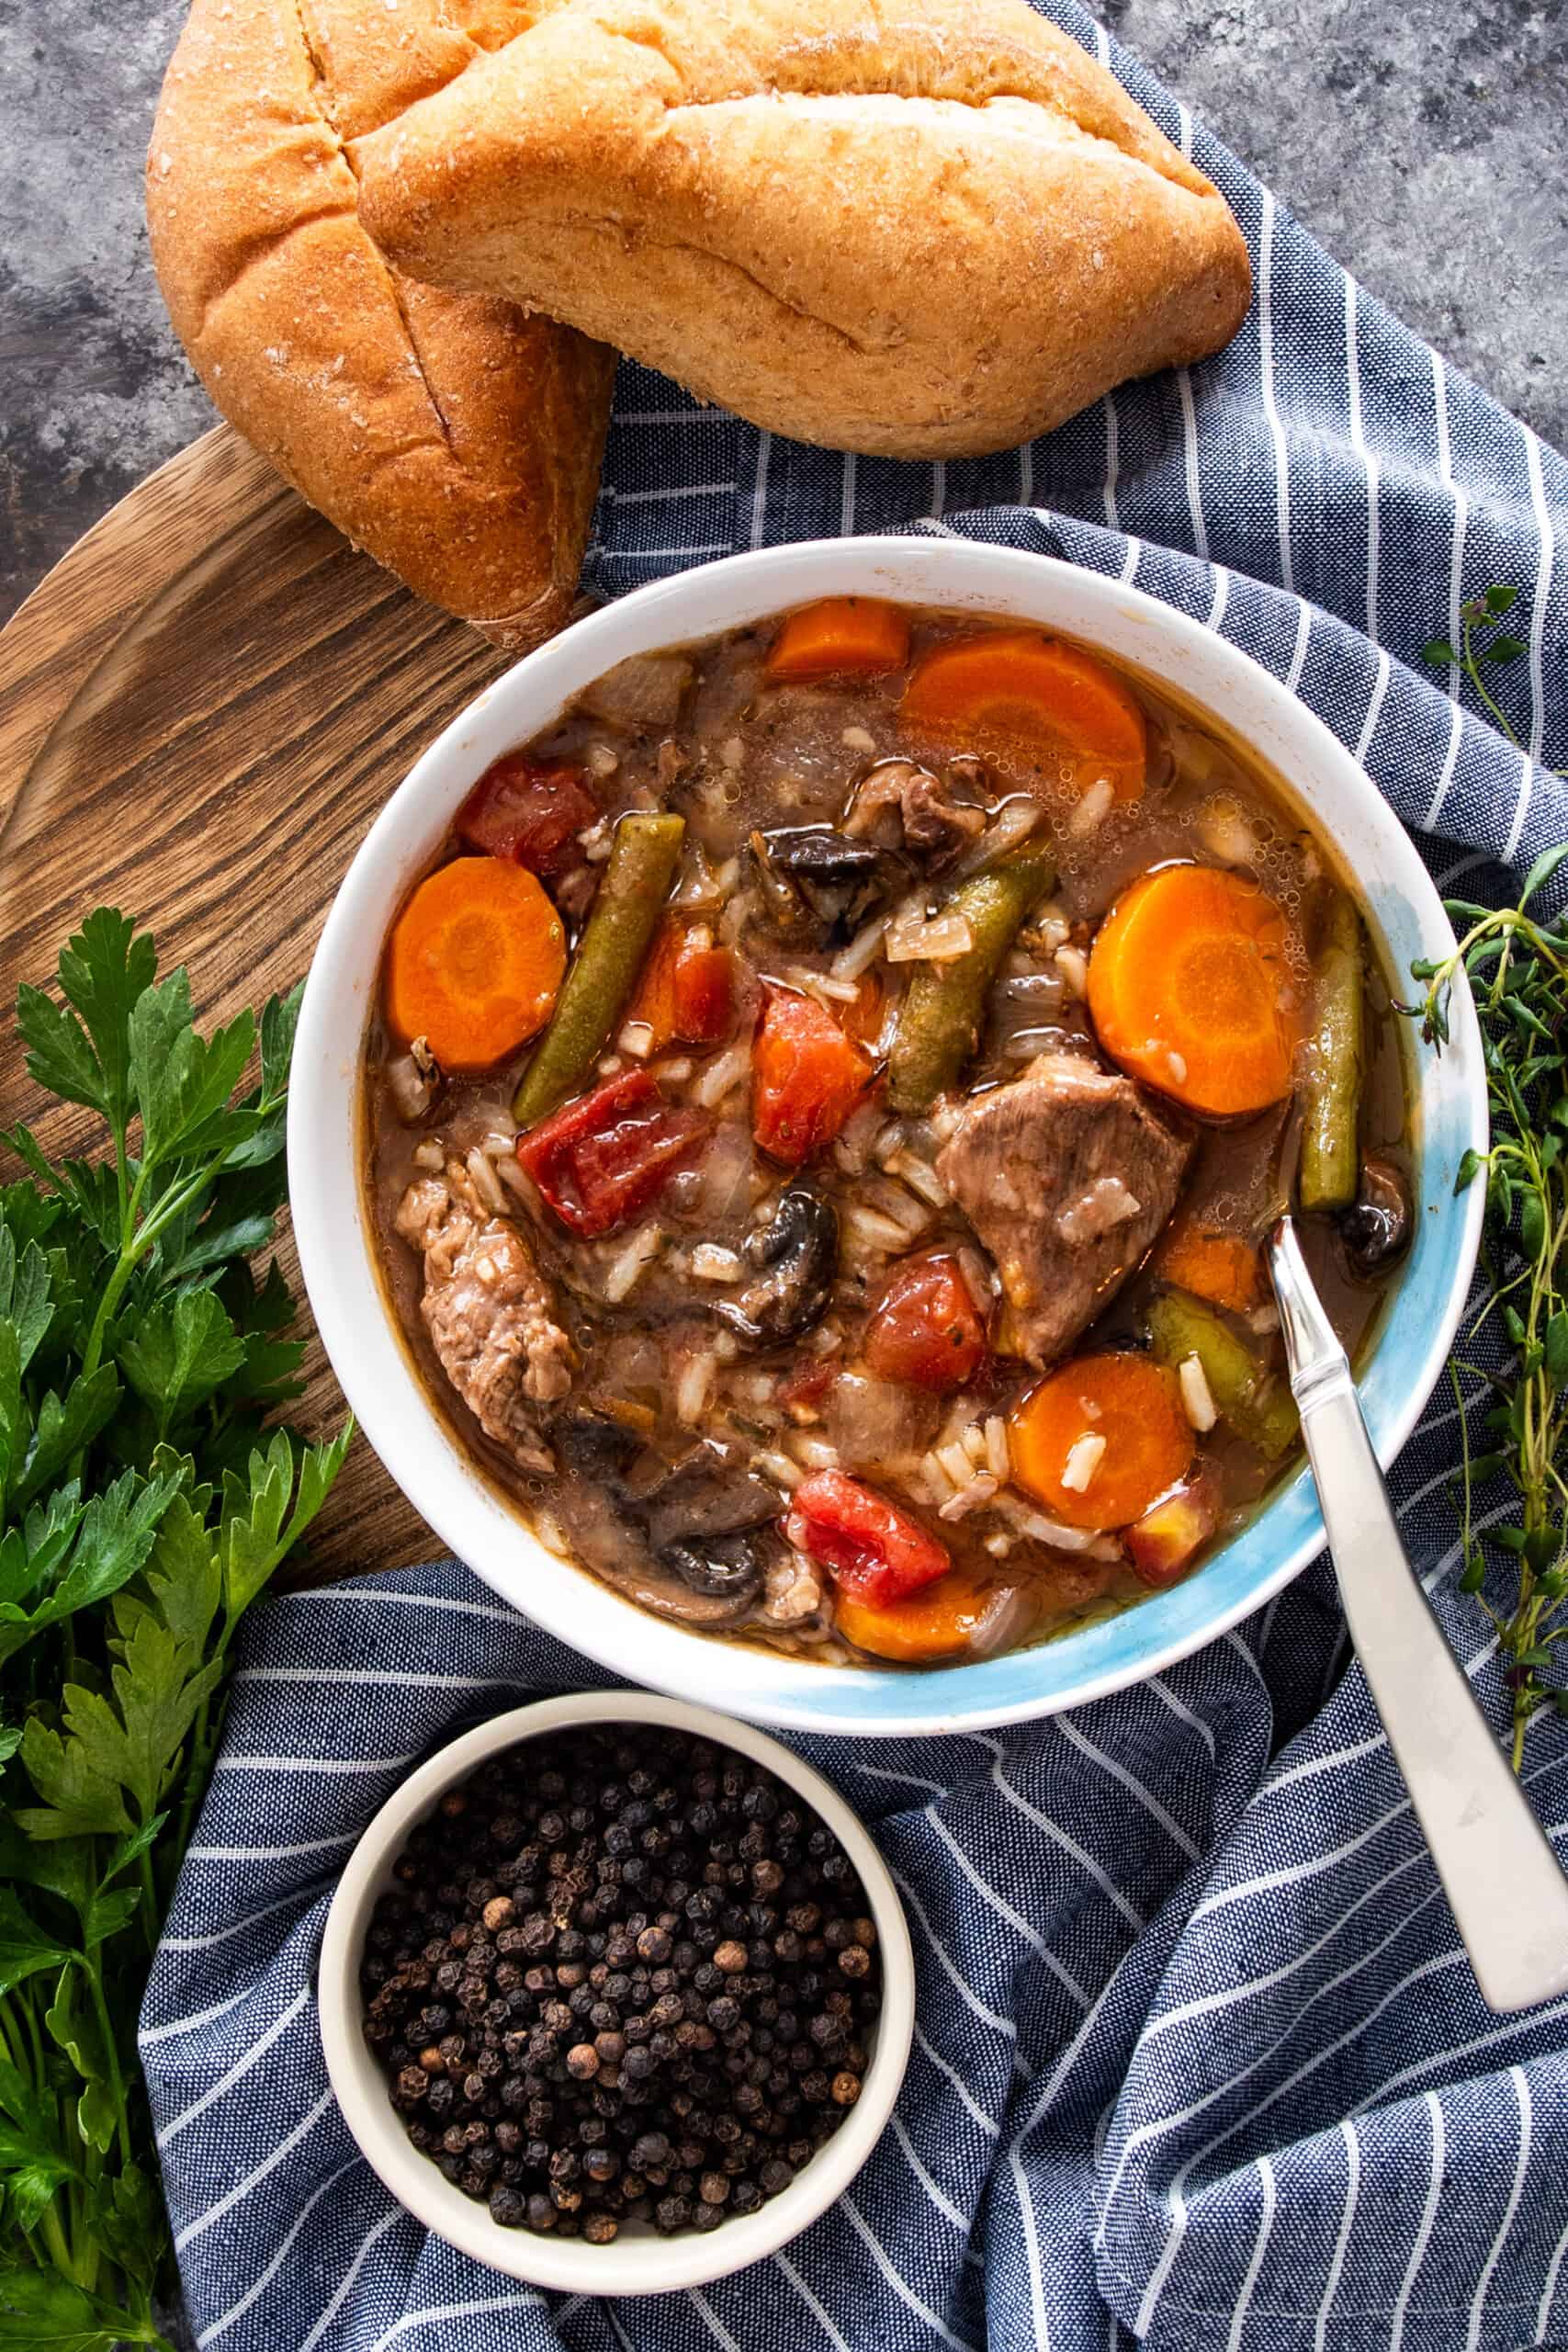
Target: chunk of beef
pixel 902 804
pixel 1067 1175
pixel 489 1312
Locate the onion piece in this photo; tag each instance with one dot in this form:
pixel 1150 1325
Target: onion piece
pixel 646 690
pixel 726 1170
pixel 1007 1618
pixel 869 1421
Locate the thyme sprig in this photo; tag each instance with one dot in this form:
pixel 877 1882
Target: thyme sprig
pixel 1482 639
pixel 1516 962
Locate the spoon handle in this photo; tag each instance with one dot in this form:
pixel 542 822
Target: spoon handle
pixel 1509 1898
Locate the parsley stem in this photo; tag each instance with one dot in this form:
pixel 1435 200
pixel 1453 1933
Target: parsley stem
pixel 138 1239
pixel 111 2050
pixel 12 2047
pixel 54 2239
pixel 152 1910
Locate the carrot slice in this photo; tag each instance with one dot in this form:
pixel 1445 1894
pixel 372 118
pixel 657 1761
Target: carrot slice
pixel 1028 699
pixel 1100 1440
pixel 936 1622
pixel 843 637
pixel 1219 1267
pixel 474 962
pixel 1192 988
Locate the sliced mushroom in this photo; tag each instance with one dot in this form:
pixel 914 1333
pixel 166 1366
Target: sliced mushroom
pixel 815 854
pixel 594 1446
pixel 661 1589
pixel 722 1567
pixel 708 1494
pixel 1376 1227
pixel 831 880
pixel 675 1542
pixel 795 1256
pixel 787 913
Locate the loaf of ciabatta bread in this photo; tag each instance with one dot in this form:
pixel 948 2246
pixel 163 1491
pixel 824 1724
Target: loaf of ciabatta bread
pixel 453 437
pixel 915 228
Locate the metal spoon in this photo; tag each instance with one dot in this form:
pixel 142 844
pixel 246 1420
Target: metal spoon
pixel 1509 1897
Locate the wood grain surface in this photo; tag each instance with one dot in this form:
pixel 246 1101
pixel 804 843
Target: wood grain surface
pixel 201 708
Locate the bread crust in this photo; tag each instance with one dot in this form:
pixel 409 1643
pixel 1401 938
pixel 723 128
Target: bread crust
pixel 913 227
pixel 456 438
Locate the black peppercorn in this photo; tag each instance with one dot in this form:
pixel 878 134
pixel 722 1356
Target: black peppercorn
pixel 622 1976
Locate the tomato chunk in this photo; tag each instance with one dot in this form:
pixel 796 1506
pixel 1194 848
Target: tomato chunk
pixel 1164 1543
pixel 704 995
pixel 807 1077
pixel 869 1548
pixel 807 1381
pixel 528 812
pixel 603 1158
pixel 686 993
pixel 926 1330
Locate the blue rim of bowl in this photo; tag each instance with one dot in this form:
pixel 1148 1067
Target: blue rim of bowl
pixel 1415 1330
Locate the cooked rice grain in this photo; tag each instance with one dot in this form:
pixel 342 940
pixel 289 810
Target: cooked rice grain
pixel 482 1176
pixel 695 1387
pixel 1197 1397
pixel 722 1077
pixel 625 1268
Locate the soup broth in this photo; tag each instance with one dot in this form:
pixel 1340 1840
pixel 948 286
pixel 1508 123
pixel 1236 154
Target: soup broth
pixel 908 1026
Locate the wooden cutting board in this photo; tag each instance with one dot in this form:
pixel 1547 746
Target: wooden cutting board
pixel 201 708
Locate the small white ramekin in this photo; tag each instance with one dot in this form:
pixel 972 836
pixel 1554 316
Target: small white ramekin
pixel 639 2262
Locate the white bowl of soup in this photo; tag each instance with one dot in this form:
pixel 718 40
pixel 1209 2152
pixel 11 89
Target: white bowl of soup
pixel 785 1109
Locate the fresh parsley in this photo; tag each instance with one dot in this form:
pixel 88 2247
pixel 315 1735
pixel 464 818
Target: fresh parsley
pixel 1516 961
pixel 147 1493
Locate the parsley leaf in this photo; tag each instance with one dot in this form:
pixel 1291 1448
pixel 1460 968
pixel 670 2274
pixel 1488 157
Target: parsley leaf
pixel 24 1946
pixel 180 1353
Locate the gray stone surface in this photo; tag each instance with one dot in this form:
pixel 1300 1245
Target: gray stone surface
pixel 1420 138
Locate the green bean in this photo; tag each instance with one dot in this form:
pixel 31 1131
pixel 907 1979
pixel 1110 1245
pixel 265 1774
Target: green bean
pixel 609 957
pixel 1256 1402
pixel 1331 1091
pixel 945 1005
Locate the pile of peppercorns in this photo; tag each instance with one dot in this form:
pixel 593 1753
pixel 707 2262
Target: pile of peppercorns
pixel 622 1974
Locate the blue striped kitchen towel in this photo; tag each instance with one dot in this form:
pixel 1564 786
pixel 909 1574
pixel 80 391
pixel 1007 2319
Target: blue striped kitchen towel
pixel 1199 2058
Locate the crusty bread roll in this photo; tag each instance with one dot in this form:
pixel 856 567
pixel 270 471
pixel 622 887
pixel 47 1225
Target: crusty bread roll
pixel 915 228
pixel 454 437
